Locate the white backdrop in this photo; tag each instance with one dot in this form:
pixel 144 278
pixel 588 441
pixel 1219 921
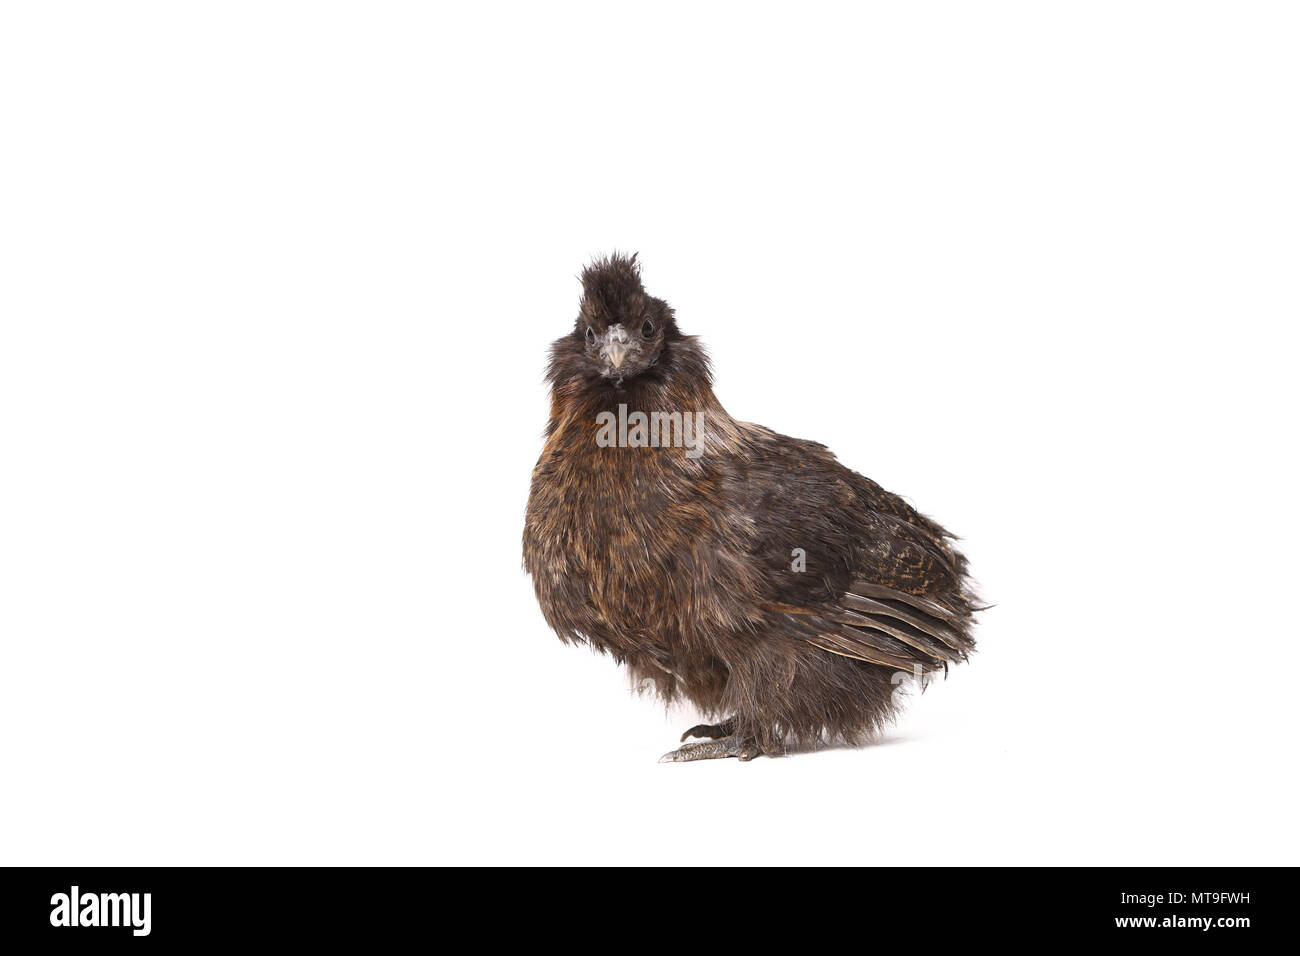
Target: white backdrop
pixel 278 281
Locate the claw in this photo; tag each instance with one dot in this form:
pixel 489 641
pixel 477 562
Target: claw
pixel 732 746
pixel 723 729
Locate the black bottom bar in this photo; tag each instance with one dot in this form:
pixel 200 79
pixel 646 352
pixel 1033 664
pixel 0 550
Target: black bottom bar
pixel 563 908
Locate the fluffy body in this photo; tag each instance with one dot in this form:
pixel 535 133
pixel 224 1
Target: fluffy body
pixel 681 567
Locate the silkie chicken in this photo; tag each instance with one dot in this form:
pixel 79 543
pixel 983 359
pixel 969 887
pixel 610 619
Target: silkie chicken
pixel 752 574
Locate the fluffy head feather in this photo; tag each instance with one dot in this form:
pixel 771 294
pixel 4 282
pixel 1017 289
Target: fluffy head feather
pixel 623 337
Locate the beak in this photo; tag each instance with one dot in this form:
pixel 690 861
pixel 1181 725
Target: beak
pixel 616 346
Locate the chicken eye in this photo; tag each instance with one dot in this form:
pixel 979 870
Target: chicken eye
pixel 591 336
pixel 647 328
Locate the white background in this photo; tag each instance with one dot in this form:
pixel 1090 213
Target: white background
pixel 277 284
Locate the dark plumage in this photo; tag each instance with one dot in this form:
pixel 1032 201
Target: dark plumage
pixel 681 562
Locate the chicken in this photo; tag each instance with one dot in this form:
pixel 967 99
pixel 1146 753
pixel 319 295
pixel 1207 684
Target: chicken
pixel 751 574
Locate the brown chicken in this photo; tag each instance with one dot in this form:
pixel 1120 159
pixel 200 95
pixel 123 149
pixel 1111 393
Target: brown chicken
pixel 754 575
